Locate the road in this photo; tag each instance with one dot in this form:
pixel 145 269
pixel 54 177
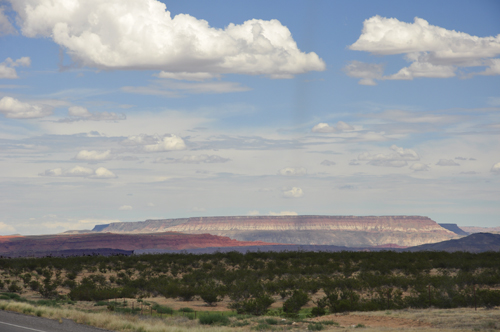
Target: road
pixel 15 322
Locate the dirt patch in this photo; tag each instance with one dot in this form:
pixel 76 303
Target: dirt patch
pixel 373 321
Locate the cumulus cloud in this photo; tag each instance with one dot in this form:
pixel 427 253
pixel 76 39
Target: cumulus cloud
pixel 125 208
pixel 398 158
pixel 323 128
pixel 295 192
pixel 117 34
pixel 496 168
pixel 447 162
pixel 155 143
pixel 79 113
pixel 328 163
pixel 433 51
pixel 253 213
pixel 7 68
pixel 15 109
pixel 79 171
pixel 93 155
pixel 419 167
pixel 290 171
pixel 194 159
pixel 283 213
pixel 326 128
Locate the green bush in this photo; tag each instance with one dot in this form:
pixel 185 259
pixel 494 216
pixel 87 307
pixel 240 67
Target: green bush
pixel 292 306
pixel 318 311
pixel 213 319
pixel 186 310
pixel 162 309
pixel 257 306
pixel 315 327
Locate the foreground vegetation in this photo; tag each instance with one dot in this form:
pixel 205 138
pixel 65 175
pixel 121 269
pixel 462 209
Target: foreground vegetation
pixel 250 283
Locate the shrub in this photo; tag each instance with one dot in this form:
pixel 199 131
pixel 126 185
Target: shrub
pixel 298 299
pixel 186 310
pixel 212 319
pixel 318 311
pixel 271 321
pixel 162 309
pixel 315 327
pixel 257 306
pixel 14 287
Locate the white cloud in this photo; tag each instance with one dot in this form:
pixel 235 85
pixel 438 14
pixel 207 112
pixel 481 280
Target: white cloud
pixel 433 51
pixel 185 76
pixel 326 128
pixel 368 72
pixel 15 109
pixel 283 213
pixel 125 208
pixel 168 143
pixel 290 171
pixel 194 159
pixel 328 163
pixel 342 126
pixel 496 168
pixel 117 34
pixel 253 213
pixel 93 155
pixel 398 158
pixel 419 167
pixel 6 229
pixel 155 143
pixel 323 128
pixel 7 68
pixel 104 173
pixel 177 89
pixel 447 162
pixel 79 113
pixel 6 28
pixel 79 171
pixel 295 192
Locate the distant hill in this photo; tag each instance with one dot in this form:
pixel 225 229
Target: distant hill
pixel 475 229
pixel 348 231
pixel 54 244
pixel 479 242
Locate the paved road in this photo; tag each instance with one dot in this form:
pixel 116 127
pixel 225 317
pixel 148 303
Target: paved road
pixel 14 322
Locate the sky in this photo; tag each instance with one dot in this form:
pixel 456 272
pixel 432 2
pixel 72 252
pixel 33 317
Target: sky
pixel 127 110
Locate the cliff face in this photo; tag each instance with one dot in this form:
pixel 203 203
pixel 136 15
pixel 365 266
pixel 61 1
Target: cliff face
pixel 170 240
pixel 348 231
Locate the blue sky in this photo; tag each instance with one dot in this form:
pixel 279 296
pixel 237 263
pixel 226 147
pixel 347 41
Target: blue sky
pixel 126 110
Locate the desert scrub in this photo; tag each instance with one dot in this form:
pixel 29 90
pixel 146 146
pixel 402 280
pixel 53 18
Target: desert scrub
pixel 113 322
pixel 213 319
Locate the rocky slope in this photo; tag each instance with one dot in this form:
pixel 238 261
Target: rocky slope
pixel 170 240
pixel 350 231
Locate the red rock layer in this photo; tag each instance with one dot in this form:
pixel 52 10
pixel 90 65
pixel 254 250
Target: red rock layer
pixel 168 240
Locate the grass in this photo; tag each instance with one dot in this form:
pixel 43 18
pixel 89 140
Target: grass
pixel 440 320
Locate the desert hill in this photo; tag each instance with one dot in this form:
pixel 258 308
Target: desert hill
pixel 478 242
pixel 475 229
pixel 349 231
pixel 34 245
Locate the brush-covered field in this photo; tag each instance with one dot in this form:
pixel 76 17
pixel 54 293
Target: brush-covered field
pixel 260 291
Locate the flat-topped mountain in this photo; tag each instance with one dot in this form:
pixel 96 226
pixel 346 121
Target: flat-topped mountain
pixel 350 231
